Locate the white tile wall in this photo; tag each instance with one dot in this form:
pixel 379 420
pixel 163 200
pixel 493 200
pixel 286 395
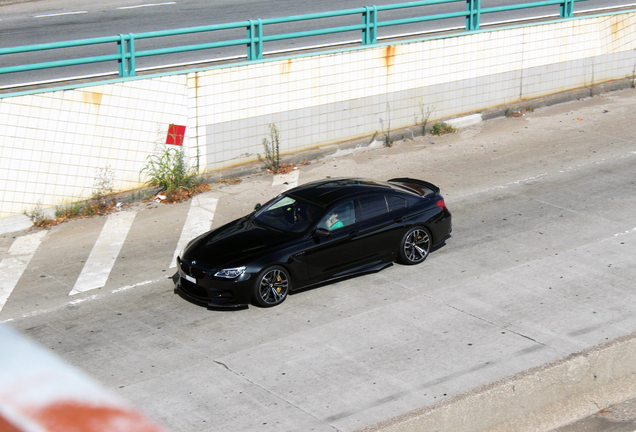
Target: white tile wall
pixel 55 142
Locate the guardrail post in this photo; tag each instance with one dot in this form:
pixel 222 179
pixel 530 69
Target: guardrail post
pixel 126 51
pixel 255 35
pixel 567 9
pixel 121 50
pixel 473 7
pixel 370 21
pixel 131 51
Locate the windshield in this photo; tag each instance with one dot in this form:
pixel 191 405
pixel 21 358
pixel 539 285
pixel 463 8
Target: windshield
pixel 287 214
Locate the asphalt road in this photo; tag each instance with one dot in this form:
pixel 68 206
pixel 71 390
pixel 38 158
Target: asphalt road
pixel 44 21
pixel 541 264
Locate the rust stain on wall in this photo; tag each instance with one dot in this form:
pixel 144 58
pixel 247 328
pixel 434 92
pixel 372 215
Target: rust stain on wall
pixel 388 57
pixel 93 98
pixel 196 84
pixel 618 26
pixel 285 67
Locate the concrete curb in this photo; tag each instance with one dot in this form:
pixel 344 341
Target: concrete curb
pixel 540 399
pixel 15 223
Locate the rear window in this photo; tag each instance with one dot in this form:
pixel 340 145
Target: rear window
pixel 395 203
pixel 373 206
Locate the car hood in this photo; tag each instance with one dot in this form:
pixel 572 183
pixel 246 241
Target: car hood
pixel 234 244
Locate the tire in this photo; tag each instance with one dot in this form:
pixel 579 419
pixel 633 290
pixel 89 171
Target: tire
pixel 415 246
pixel 271 287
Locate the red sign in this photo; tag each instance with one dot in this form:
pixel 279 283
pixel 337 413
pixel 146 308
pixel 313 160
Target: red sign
pixel 175 134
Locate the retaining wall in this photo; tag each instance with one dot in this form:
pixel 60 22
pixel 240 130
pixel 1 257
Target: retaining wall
pixel 56 145
pixel 540 399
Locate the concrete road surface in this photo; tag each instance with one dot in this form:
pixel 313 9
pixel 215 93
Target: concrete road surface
pixel 541 264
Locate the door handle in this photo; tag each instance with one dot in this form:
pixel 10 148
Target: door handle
pixel 398 219
pixel 354 233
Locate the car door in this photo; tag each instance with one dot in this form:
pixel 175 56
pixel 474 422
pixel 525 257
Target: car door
pixel 332 254
pixel 360 243
pixel 381 227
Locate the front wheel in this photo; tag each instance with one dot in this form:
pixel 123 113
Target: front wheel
pixel 272 286
pixel 415 246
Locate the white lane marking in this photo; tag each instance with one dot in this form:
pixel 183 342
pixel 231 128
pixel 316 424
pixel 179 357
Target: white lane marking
pixel 625 232
pixel 147 5
pixel 60 14
pixel 84 299
pixel 198 221
pixel 105 251
pixel 12 267
pixel 289 180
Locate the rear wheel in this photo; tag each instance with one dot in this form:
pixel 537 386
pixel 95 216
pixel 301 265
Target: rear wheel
pixel 415 246
pixel 272 286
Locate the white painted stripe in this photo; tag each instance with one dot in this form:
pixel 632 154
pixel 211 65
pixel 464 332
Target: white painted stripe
pixel 98 295
pixel 198 221
pixel 60 14
pixel 288 181
pixel 105 251
pixel 625 232
pixel 12 267
pixel 146 5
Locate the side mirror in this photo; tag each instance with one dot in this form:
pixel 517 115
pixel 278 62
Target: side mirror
pixel 321 232
pixel 257 206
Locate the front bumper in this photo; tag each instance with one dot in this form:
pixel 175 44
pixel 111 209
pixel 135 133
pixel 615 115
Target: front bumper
pixel 216 293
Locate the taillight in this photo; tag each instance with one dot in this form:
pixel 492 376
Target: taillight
pixel 441 204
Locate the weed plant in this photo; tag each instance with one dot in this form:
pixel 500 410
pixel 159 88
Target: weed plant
pixel 68 211
pixel 425 113
pixel 441 128
pixel 104 182
pixel 388 142
pixel 272 150
pixel 169 169
pixel 37 216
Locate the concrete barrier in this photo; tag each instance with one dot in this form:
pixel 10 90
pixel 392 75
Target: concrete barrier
pixel 540 399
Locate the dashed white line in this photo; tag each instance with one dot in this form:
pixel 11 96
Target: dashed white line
pixel 104 254
pixel 12 267
pixel 198 221
pixel 625 232
pixel 147 5
pixel 82 300
pixel 60 14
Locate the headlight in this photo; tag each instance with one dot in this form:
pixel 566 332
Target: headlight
pixel 230 273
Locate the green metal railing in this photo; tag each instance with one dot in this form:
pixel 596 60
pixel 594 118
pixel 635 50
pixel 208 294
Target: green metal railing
pixel 255 36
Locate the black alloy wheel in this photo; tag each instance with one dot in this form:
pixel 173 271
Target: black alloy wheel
pixel 416 244
pixel 272 286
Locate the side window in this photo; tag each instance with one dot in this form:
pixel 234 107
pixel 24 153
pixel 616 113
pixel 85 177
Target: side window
pixel 341 216
pixel 395 202
pixel 373 206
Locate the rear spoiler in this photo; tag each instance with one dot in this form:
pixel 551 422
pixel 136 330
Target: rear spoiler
pixel 420 187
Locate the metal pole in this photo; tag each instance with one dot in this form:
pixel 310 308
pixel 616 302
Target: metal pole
pixel 567 9
pixel 473 7
pixel 131 50
pixel 370 21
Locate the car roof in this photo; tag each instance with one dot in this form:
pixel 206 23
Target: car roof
pixel 325 192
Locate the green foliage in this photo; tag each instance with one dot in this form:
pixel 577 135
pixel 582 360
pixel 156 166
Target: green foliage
pixel 68 211
pixel 37 215
pixel 169 169
pixel 388 142
pixel 425 113
pixel 441 128
pixel 272 149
